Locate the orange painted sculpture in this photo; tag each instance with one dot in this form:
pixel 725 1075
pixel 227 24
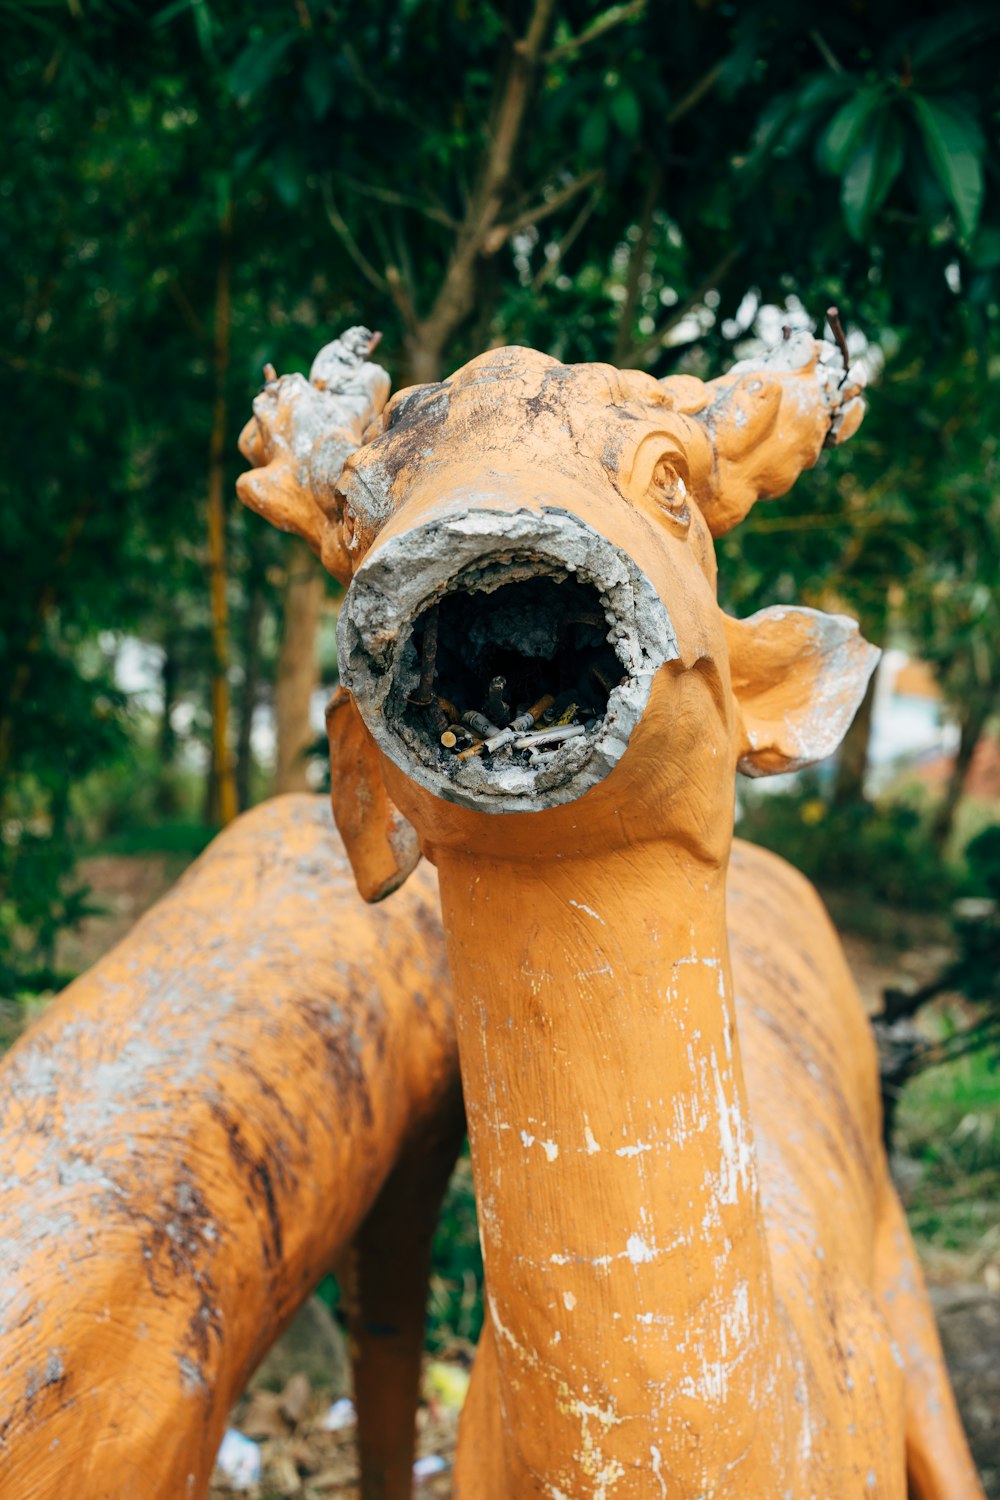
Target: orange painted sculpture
pixel 261 1074
pixel 699 1280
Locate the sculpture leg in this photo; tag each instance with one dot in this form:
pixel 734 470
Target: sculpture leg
pixel 479 1456
pixel 385 1278
pixel 938 1462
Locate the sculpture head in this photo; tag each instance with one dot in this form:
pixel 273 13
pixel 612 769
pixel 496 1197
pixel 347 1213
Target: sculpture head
pixel 552 525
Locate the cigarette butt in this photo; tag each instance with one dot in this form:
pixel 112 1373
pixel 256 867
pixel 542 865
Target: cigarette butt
pixel 532 715
pixel 553 736
pixel 449 739
pixel 480 723
pixel 449 710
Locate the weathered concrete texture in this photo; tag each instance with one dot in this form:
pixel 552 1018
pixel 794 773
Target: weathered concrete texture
pixel 483 550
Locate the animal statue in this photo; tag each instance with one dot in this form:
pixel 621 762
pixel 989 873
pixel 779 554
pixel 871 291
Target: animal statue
pixel 699 1280
pixel 260 1082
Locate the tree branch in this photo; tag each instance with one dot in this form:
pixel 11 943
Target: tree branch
pixel 823 48
pixel 397 200
pixel 553 262
pixel 611 18
pixel 384 103
pixel 402 299
pixel 718 273
pixel 86 382
pixel 695 94
pixel 499 236
pixel 348 241
pixel 456 295
pixel 638 253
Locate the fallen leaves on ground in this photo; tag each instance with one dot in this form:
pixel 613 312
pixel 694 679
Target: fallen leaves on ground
pixel 300 1458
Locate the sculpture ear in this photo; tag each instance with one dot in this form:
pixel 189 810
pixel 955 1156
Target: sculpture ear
pixel 798 679
pixel 381 844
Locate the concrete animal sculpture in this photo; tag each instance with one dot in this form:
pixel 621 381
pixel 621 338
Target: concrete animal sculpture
pixel 259 1081
pixel 699 1280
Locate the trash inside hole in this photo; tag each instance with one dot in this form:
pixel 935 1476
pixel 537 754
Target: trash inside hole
pixel 512 673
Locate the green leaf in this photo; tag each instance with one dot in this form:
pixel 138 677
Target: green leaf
pixel 936 41
pixel 769 130
pixel 626 111
pixel 841 136
pixel 257 64
pixel 822 89
pixel 985 251
pixel 204 26
pixel 286 173
pixel 318 82
pixel 171 12
pixel 872 171
pixel 594 134
pixel 954 144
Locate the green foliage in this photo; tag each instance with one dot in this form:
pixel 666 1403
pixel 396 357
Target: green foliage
pixel 948 1125
pixel 672 166
pixel 455 1307
pixel 982 856
pixel 881 852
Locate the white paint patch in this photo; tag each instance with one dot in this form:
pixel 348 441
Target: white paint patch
pixel 588 1136
pixel 635 1150
pixel 549 1147
pixel 569 1301
pixel 637 1250
pixel 582 906
pixel 657 1458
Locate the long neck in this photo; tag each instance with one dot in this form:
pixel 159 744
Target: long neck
pixel 628 1280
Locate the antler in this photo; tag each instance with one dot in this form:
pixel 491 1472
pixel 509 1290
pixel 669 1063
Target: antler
pixel 768 420
pixel 300 436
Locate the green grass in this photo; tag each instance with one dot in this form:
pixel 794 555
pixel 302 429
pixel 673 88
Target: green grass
pixel 949 1124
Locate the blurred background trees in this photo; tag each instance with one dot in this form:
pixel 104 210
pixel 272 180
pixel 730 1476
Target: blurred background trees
pixel 196 188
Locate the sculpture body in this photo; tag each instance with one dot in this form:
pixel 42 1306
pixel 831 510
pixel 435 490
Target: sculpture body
pixel 699 1281
pixel 191 1136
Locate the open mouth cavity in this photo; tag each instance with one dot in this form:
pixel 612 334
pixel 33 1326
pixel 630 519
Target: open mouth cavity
pixel 514 682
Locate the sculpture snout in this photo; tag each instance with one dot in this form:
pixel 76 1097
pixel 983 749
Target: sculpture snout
pixel 502 655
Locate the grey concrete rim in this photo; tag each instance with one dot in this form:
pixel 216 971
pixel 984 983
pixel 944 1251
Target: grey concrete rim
pixel 481 548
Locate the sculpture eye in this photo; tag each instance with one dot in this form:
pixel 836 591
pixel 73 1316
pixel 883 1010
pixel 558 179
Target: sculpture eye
pixel 668 489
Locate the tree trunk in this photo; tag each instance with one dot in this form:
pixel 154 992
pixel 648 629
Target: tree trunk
pixel 423 360
pixel 223 781
pixel 250 690
pixel 169 674
pixel 975 713
pixel 849 783
pixel 297 667
pixel 638 254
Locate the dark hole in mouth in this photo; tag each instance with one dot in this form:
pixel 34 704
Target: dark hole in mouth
pixel 529 660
